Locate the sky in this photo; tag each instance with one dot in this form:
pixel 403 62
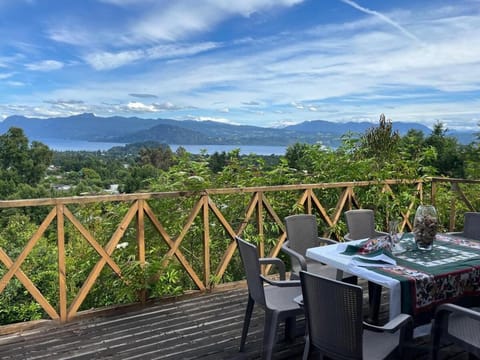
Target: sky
pixel 266 63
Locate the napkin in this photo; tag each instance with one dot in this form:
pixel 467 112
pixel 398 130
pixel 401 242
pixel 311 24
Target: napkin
pixel 379 258
pixel 375 252
pixel 369 246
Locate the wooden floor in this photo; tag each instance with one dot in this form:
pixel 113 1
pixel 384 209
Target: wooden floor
pixel 201 327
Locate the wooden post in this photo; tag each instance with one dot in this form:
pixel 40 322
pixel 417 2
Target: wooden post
pixel 141 245
pixel 206 241
pixel 62 272
pixel 261 234
pixel 309 201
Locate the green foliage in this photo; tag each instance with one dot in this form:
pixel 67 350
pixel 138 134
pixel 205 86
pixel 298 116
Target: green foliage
pixel 161 157
pixel 449 160
pixel 379 153
pixel 21 163
pixel 380 143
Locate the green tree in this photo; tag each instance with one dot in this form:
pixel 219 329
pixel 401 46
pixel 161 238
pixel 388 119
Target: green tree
pixel 449 160
pixel 298 156
pixel 21 163
pixel 218 161
pixel 160 157
pixel 380 143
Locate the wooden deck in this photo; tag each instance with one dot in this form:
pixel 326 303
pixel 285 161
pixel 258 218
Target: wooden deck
pixel 194 327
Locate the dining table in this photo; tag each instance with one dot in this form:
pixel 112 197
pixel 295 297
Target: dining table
pixel 418 280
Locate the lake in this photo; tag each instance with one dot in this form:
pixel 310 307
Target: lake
pixel 81 145
pixel 244 149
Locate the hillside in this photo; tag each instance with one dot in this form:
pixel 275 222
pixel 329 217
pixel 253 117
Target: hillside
pixel 120 129
pixel 356 127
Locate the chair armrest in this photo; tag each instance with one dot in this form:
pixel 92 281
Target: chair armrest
pixel 393 325
pixel 325 241
pixel 292 253
pixel 275 261
pixel 380 233
pixel 446 309
pixel 441 328
pixel 281 283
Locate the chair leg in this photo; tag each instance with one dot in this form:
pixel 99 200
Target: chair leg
pixel 290 328
pixel 306 349
pixel 436 330
pixel 246 322
pixel 269 334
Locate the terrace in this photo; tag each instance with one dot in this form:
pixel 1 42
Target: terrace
pixel 206 321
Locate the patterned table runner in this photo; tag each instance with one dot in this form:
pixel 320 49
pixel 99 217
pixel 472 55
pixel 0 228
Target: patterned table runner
pixel 449 272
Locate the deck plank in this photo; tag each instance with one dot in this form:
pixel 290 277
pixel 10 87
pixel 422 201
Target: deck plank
pixel 201 327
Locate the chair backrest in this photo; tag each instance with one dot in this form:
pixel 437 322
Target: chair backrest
pixel 251 265
pixel 360 223
pixel 471 225
pixel 302 232
pixel 334 315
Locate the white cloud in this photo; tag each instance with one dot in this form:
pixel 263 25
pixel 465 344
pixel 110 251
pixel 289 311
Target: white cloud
pixel 45 65
pixel 15 83
pixel 210 118
pixel 251 103
pixel 176 20
pixel 107 61
pixel 5 75
pixel 110 60
pixel 140 107
pixel 167 106
pixel 72 35
pixel 383 17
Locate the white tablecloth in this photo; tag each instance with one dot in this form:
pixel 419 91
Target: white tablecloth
pixel 332 255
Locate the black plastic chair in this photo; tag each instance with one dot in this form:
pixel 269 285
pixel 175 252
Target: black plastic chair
pixel 302 234
pixel 336 330
pixel 471 226
pixel 456 324
pixel 361 225
pixel 275 298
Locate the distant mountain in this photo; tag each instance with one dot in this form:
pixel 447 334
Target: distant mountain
pixel 188 132
pixel 78 127
pixel 356 127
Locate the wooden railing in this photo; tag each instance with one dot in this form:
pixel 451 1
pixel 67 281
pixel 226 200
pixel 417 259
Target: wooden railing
pixel 457 195
pixel 147 217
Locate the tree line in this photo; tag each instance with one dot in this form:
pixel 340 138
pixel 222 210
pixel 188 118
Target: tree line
pixel 31 170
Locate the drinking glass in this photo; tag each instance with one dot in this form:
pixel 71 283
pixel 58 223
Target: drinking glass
pixel 397 248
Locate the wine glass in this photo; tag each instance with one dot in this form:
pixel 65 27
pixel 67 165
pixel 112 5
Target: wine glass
pixel 397 248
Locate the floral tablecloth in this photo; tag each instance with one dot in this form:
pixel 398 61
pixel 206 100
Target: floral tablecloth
pixel 448 273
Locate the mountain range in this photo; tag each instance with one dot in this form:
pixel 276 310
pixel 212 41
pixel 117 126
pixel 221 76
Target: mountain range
pixel 121 129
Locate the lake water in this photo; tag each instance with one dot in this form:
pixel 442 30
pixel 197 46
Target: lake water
pixel 244 149
pixel 80 145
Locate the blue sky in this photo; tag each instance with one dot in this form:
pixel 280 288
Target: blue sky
pixel 257 62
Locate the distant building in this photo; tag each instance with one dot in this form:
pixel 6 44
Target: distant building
pixel 113 189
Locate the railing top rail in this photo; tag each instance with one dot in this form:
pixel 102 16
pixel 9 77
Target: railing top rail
pixel 174 194
pixel 454 180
